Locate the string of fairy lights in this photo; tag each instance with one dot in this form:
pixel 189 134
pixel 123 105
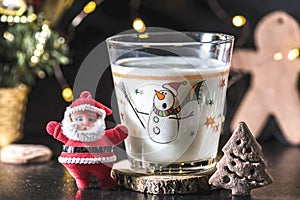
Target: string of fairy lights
pixel 13 12
pixel 16 16
pixel 41 37
pixel 138 24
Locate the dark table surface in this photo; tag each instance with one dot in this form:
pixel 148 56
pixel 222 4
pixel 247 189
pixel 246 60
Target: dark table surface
pixel 51 181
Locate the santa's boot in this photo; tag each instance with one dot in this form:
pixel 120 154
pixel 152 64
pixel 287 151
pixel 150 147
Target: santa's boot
pixel 81 175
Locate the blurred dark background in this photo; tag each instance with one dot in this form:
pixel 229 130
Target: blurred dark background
pixel 110 17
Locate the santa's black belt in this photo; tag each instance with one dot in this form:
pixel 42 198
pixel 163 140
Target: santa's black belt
pixel 69 149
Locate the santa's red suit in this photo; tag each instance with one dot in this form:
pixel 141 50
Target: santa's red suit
pixel 87 153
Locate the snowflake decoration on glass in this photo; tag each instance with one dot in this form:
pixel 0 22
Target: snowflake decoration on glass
pixel 192 133
pixel 138 91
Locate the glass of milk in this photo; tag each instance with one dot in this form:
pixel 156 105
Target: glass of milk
pixel 171 89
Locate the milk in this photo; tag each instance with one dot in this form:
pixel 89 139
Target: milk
pixel 173 108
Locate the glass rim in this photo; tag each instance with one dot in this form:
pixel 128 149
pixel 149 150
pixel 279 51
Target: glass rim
pixel 116 39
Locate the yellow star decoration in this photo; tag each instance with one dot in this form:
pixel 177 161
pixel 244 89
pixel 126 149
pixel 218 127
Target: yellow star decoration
pixel 210 121
pixel 274 67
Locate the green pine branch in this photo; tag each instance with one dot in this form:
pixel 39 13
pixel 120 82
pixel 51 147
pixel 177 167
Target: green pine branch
pixel 18 45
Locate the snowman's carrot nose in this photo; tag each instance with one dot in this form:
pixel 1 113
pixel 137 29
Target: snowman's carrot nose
pixel 159 95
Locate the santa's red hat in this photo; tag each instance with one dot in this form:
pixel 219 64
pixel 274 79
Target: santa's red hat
pixel 86 103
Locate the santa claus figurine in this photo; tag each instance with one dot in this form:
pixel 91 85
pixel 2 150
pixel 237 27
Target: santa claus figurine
pixel 88 147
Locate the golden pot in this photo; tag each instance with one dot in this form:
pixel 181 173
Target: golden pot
pixel 12 110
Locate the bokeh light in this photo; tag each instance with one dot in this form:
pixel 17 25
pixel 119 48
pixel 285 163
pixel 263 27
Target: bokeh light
pixel 139 25
pixel 239 20
pixel 293 54
pixel 278 56
pixel 89 7
pixel 67 94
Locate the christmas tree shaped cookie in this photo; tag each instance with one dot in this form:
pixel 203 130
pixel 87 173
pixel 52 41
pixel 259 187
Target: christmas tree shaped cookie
pixel 242 167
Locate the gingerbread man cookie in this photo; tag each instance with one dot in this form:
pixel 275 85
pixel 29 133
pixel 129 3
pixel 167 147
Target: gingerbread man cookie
pixel 274 68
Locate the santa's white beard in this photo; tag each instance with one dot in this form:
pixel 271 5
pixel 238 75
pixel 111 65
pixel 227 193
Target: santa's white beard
pixel 92 134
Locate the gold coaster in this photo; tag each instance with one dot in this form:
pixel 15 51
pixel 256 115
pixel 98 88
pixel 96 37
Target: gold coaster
pixel 160 184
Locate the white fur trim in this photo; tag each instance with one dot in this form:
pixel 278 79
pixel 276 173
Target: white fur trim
pixel 74 160
pixel 93 134
pixel 88 107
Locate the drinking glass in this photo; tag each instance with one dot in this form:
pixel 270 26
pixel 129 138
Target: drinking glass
pixel 171 89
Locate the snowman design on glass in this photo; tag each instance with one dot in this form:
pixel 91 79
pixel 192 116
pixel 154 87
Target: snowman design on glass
pixel 164 118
